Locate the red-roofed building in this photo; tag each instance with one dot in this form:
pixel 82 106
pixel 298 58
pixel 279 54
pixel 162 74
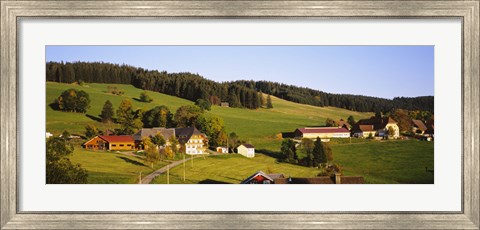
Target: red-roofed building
pixel 322 132
pixel 123 142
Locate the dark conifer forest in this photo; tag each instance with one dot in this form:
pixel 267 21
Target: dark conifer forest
pixel 238 93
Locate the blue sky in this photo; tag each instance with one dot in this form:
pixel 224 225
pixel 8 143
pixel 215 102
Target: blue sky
pixel 380 71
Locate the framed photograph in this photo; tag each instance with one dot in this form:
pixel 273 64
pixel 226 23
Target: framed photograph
pixel 244 114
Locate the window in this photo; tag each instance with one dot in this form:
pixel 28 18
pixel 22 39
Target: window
pixel 121 145
pixel 114 145
pixel 129 145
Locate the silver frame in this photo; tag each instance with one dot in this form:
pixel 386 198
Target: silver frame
pixel 468 218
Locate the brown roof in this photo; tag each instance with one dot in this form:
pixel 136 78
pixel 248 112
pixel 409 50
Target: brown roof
pixel 342 123
pixel 249 146
pixel 419 124
pixel 352 180
pixel 184 134
pixel 123 138
pixel 166 133
pixel 366 128
pixel 378 123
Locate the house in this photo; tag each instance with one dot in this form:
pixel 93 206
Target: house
pixel 194 140
pixel 48 135
pixel 334 179
pixel 123 142
pixel 262 178
pixel 322 132
pixel 430 128
pixel 418 127
pixel 246 150
pixel 224 104
pixel 343 124
pixel 221 149
pixel 167 133
pixel 376 127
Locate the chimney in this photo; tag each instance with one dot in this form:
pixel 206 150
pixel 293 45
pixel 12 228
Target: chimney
pixel 337 178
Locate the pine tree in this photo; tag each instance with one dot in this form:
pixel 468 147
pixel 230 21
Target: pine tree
pixel 107 112
pixel 269 102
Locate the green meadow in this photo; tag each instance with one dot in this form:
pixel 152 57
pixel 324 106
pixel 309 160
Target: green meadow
pixel 378 161
pixel 111 167
pixel 230 169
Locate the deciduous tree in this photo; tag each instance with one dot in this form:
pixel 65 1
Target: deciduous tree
pixel 59 169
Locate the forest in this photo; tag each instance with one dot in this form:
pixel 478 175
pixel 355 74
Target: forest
pixel 242 93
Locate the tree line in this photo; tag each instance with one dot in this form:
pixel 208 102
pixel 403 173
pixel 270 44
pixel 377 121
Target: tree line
pixel 247 94
pixel 359 103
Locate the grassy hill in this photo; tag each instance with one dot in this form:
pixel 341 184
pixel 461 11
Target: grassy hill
pixel 261 127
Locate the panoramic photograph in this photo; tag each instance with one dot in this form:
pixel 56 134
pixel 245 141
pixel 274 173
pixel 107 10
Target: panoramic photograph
pixel 239 115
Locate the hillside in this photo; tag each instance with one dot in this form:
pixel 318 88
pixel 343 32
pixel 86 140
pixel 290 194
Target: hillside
pixel 261 127
pixel 239 93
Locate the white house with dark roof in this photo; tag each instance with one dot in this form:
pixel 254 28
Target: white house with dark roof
pixel 377 127
pixel 193 139
pixel 246 150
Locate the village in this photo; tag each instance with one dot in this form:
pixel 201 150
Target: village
pixel 191 142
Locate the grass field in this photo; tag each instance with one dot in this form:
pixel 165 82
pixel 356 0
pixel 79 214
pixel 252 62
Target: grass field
pixel 110 167
pixel 378 162
pixel 388 162
pixel 231 169
pixel 401 162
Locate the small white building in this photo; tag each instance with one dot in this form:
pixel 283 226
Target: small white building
pixel 246 150
pixel 48 135
pixel 221 149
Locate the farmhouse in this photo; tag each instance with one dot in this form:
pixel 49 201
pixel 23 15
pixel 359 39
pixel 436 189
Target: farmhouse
pixel 123 142
pixel 376 127
pixel 262 178
pixel 343 124
pixel 167 133
pixel 193 140
pixel 246 150
pixel 322 132
pixel 430 128
pixel 418 127
pixel 221 149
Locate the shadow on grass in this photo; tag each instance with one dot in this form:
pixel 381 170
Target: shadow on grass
pixel 54 106
pixel 276 155
pixel 132 161
pixel 210 181
pixel 93 117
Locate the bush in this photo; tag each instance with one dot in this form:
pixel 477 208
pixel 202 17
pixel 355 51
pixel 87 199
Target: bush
pixel 145 98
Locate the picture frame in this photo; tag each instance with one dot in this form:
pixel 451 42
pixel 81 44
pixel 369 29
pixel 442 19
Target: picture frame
pixel 12 11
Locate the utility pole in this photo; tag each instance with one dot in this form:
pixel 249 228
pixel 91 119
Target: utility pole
pixel 184 167
pixel 192 160
pixel 168 174
pixel 140 178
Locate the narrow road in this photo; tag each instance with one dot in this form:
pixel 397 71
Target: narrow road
pixel 147 179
